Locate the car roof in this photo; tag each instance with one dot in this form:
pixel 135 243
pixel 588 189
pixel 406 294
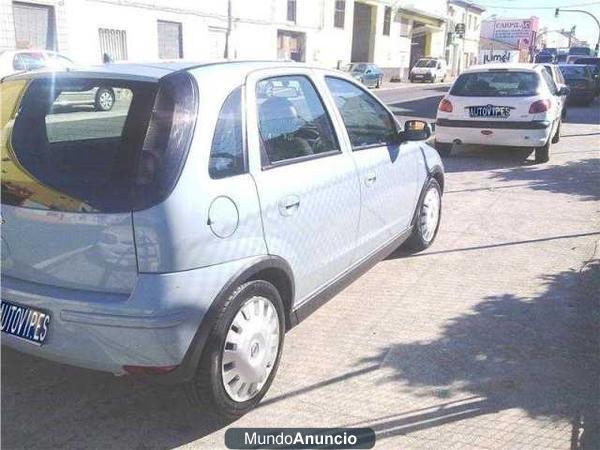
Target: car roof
pixel 574 65
pixel 153 71
pixel 505 66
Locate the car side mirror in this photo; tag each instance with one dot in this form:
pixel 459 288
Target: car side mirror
pixel 564 90
pixel 369 71
pixel 416 130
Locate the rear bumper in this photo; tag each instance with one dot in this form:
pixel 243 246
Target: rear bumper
pixel 525 134
pixel 152 327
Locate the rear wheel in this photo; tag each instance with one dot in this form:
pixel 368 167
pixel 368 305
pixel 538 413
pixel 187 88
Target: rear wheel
pixel 443 148
pixel 429 212
pixel 242 353
pixel 378 85
pixel 542 154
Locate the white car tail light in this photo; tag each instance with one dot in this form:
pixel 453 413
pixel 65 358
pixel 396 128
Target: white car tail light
pixel 539 106
pixel 445 105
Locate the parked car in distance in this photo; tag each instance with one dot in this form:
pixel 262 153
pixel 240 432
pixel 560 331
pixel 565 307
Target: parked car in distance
pixel 367 73
pixel 544 58
pixel 179 241
pixel 501 104
pixel 594 63
pixel 428 69
pixel 580 79
pixel 574 53
pixel 559 81
pixel 13 61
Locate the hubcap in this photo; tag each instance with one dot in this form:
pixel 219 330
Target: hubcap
pixel 105 100
pixel 430 214
pixel 250 349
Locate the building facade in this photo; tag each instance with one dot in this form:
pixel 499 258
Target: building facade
pixel 328 33
pixel 462 48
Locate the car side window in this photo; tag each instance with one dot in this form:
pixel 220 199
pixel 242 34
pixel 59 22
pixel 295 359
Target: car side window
pixel 549 81
pixel 292 120
pixel 367 122
pixel 227 150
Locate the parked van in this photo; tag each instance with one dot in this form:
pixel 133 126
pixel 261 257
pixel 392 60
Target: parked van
pixel 428 69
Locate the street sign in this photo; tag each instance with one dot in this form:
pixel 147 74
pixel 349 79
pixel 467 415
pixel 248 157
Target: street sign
pixel 459 28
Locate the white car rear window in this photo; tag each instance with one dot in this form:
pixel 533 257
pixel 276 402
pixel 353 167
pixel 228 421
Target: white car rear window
pixel 496 84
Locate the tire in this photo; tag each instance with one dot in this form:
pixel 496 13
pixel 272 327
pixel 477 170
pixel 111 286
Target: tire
pixel 207 389
pixel 542 154
pixel 104 100
pixel 443 148
pixel 378 85
pixel 424 234
pixel 556 137
pixel 433 79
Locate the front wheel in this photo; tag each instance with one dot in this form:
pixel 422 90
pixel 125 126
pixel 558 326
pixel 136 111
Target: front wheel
pixel 427 220
pixel 443 148
pixel 542 154
pixel 242 353
pixel 556 137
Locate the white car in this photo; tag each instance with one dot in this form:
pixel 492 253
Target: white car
pixel 504 104
pixel 428 69
pixel 13 61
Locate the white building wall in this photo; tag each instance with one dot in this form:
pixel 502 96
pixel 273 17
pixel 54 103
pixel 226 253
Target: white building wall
pixel 204 25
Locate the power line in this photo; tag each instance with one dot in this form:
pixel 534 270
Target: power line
pixel 539 7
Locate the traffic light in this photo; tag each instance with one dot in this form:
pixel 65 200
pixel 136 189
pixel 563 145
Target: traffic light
pixel 556 12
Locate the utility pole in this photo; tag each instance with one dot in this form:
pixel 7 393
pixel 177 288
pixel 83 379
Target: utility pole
pixel 228 33
pixel 558 10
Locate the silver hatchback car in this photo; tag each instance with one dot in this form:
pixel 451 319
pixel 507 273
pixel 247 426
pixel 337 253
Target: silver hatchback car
pixel 177 236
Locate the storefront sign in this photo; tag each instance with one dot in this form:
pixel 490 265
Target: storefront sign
pixel 498 56
pixel 515 31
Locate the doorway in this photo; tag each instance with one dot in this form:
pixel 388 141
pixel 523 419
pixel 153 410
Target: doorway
pixel 362 33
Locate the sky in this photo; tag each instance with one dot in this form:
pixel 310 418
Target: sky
pixel 544 9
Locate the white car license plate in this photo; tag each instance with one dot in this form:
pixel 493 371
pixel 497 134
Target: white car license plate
pixel 24 322
pixel 501 112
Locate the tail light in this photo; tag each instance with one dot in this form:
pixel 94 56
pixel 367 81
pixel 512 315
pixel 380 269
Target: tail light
pixel 445 105
pixel 539 106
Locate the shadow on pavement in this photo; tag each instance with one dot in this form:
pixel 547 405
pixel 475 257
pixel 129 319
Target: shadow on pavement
pixel 423 107
pixel 537 354
pixel 579 177
pixel 469 158
pixel 47 405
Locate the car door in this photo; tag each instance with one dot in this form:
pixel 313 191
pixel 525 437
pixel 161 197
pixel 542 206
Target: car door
pixel 553 89
pixel 387 169
pixel 308 185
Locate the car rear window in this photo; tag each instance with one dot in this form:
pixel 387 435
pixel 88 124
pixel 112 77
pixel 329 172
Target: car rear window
pixel 496 84
pixel 426 63
pixel 575 71
pixel 63 151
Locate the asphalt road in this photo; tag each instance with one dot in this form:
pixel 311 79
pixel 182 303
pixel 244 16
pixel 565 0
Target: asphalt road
pixel 489 339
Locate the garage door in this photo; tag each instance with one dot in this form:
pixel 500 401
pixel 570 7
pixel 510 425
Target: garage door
pixel 34 26
pixel 170 45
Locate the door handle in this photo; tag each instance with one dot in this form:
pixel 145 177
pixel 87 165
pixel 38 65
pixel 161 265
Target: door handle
pixel 370 178
pixel 289 205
